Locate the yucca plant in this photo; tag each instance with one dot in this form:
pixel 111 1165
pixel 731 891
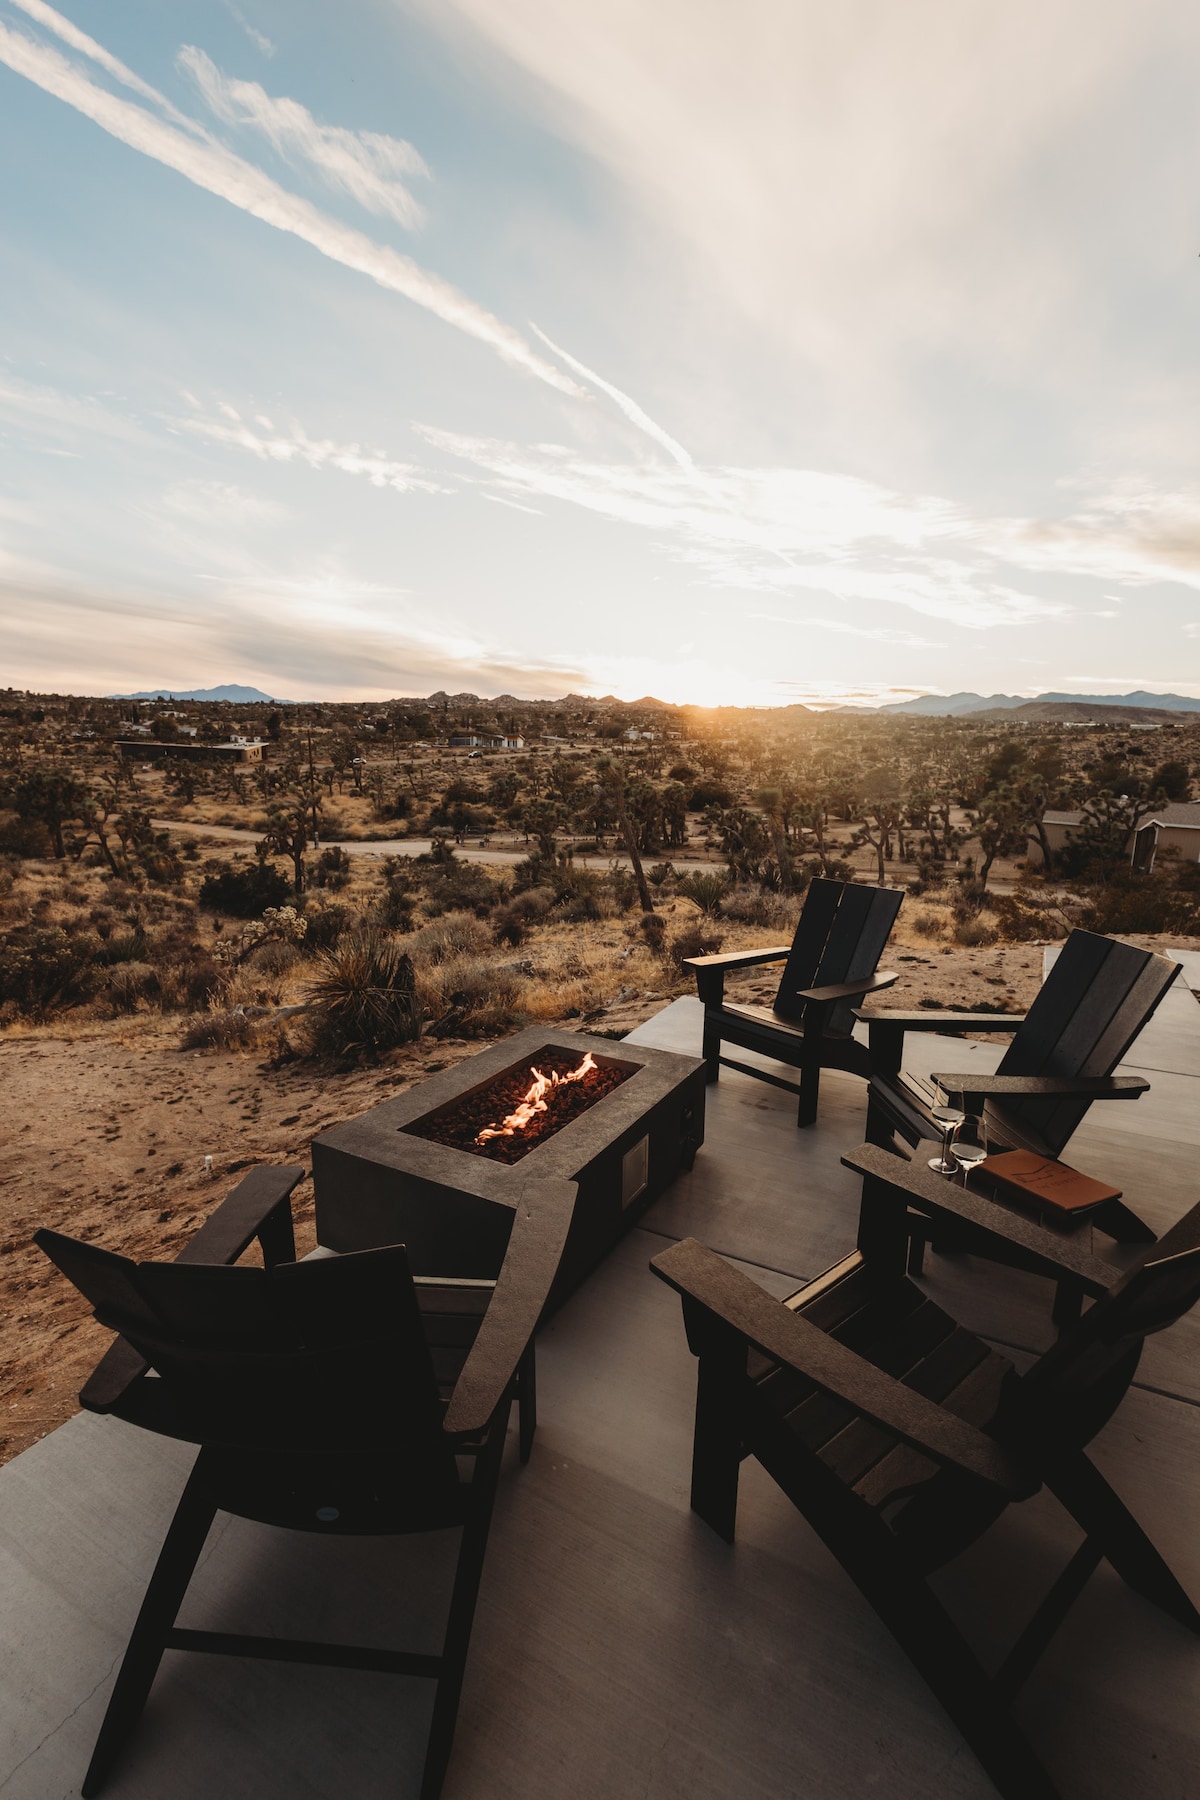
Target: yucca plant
pixel 364 998
pixel 706 890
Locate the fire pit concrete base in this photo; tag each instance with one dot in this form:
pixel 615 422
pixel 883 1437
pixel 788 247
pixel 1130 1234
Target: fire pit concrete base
pixel 378 1183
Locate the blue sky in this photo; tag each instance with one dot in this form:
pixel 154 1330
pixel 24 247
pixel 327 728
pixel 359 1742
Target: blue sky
pixel 747 354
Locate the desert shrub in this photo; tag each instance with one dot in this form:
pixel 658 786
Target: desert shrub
pixel 682 772
pixel 394 907
pixel 460 886
pixel 473 996
pixel 707 891
pixel 754 906
pixel 1016 923
pixel 653 928
pixel 364 1000
pixel 246 892
pixel 531 905
pixel 709 793
pixel 508 927
pixel 43 968
pixel 125 947
pixel 927 925
pixel 622 888
pixel 1168 900
pixel 974 930
pixel 694 941
pixel 326 925
pixel 659 873
pixel 276 958
pixel 332 868
pixel 23 837
pixel 220 1029
pixel 458 934
pixel 189 986
pixel 129 983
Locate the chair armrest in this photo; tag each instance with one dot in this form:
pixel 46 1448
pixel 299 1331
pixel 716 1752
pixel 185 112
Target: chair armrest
pixel 256 1208
pixel 913 1184
pixel 249 1212
pixel 699 1275
pixel 887 1025
pixel 892 1018
pixel 541 1221
pixel 711 970
pixel 739 959
pixel 848 990
pixel 1044 1087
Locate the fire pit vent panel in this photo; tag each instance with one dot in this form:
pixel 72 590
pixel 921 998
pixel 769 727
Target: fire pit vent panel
pixel 411 1170
pixel 523 1106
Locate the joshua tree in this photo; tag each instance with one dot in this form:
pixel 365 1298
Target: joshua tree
pixel 613 780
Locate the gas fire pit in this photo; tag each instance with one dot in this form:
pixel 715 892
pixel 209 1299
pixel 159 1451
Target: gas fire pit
pixel 441 1166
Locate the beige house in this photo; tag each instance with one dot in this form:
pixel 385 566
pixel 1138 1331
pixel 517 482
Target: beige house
pixel 1172 826
pixel 1175 826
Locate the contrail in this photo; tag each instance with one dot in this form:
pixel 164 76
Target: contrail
pixel 210 166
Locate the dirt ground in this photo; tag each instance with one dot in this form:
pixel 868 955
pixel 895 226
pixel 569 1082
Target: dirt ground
pixel 105 1129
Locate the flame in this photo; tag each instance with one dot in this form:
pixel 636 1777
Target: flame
pixel 534 1101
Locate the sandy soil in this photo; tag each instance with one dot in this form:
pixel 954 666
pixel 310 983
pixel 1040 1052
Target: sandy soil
pixel 105 1130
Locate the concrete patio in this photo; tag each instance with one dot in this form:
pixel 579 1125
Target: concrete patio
pixel 620 1649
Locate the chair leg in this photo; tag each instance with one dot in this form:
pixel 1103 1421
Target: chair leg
pixel 164 1596
pixel 710 1049
pixel 467 1577
pixel 717 1443
pixel 893 1585
pixel 1091 1502
pixel 527 1400
pixel 810 1088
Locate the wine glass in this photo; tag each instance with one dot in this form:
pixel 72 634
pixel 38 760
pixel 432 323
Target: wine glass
pixel 970 1146
pixel 949 1118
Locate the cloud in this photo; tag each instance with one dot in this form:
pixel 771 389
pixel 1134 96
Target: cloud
pixel 880 634
pixel 633 412
pixel 773 530
pixel 87 46
pixel 1130 532
pixel 364 164
pixel 219 502
pixel 257 38
pixel 322 633
pixel 315 453
pixel 217 170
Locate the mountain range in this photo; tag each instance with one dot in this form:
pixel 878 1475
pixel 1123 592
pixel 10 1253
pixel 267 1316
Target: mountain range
pixel 947 705
pixel 240 696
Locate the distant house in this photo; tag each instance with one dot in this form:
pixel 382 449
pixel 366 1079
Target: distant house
pixel 1173 826
pixel 237 750
pixel 465 741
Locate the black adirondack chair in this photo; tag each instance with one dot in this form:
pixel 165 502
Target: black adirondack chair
pixel 830 963
pixel 1091 1007
pixel 335 1395
pixel 901 1437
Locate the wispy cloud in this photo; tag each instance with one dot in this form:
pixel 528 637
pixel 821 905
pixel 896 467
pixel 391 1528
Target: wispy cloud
pixel 773 530
pixel 880 634
pixel 269 444
pixel 258 38
pixel 221 503
pixel 69 33
pixel 633 412
pixel 210 166
pixel 367 165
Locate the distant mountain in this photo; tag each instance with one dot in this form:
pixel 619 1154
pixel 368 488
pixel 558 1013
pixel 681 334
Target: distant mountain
pixel 956 705
pixel 239 696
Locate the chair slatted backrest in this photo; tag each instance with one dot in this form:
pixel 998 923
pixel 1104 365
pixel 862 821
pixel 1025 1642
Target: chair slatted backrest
pixel 840 937
pixel 317 1357
pixel 1091 1006
pixel 1076 1384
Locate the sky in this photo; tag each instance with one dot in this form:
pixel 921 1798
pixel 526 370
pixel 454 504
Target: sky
pixel 736 354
